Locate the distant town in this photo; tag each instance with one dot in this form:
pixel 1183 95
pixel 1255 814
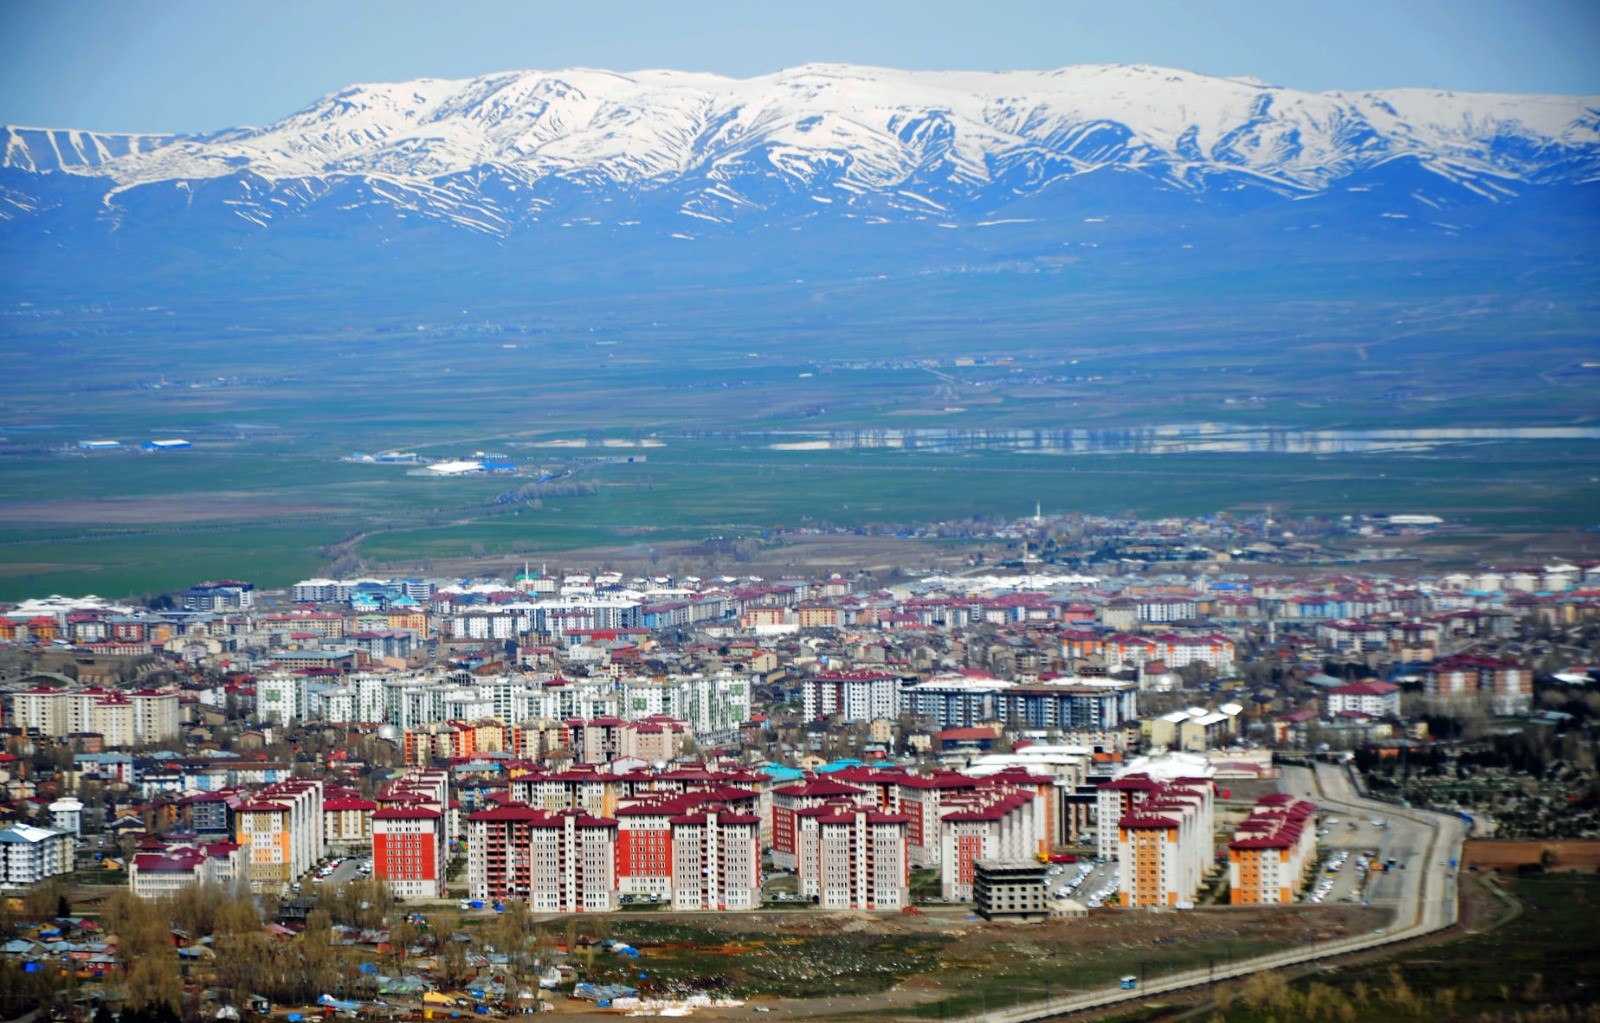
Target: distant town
pixel 406 797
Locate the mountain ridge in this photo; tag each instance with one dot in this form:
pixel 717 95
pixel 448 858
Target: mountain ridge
pixel 599 182
pixel 922 142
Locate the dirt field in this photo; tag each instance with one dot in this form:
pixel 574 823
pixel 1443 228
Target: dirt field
pixel 145 510
pixel 1562 855
pixel 948 957
pixel 795 555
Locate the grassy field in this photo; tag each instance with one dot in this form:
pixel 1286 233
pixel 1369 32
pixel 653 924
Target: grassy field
pixel 136 524
pixel 1544 965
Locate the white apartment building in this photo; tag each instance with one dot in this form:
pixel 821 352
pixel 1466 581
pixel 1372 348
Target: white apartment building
pixel 561 862
pixel 122 717
pixel 154 874
pixel 29 855
pixel 853 695
pixel 716 706
pixel 716 860
pixel 853 857
pixel 1380 699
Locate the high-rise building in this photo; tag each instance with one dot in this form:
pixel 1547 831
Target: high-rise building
pixel 853 857
pixel 716 860
pixel 562 861
pixel 409 850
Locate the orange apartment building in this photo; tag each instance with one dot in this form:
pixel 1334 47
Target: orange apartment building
pixel 1165 846
pixel 1271 851
pixel 282 826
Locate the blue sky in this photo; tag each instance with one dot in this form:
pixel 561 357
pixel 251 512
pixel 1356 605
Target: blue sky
pixel 180 65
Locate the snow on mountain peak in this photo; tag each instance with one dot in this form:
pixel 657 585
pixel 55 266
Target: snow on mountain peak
pixel 940 134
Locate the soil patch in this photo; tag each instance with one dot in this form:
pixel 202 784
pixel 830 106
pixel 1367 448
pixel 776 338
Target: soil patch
pixel 1551 855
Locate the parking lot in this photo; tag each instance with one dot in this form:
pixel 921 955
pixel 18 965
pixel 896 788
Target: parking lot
pixel 345 869
pixel 1088 881
pixel 1347 845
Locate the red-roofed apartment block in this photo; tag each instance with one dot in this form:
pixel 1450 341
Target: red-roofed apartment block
pixel 1164 843
pixel 562 861
pixel 853 857
pixel 408 850
pixel 1271 851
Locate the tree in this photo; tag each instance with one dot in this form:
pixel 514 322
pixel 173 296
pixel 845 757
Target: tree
pixel 454 967
pixel 44 900
pixel 144 952
pixel 402 935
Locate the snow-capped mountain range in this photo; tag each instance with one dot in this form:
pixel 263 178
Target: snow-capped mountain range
pixel 501 153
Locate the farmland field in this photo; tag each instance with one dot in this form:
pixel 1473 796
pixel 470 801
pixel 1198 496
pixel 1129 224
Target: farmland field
pixel 770 404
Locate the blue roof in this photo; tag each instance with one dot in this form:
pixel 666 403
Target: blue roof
pixel 839 765
pixel 782 773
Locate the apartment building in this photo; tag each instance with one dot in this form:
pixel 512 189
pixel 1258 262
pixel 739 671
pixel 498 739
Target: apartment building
pixel 715 705
pixel 424 744
pixel 282 826
pixel 1197 729
pixel 789 800
pixel 853 695
pixel 924 798
pixel 656 738
pixel 347 821
pixel 853 857
pixel 1507 687
pixel 409 850
pixel 1272 851
pixel 716 860
pixel 156 873
pixel 29 855
pixel 644 843
pixel 1372 697
pixel 999 825
pixel 1165 845
pixel 122 717
pixel 1069 703
pixel 559 861
pixel 579 788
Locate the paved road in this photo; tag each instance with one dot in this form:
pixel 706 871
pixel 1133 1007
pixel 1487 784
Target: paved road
pixel 1423 896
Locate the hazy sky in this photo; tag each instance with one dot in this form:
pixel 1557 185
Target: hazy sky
pixel 199 65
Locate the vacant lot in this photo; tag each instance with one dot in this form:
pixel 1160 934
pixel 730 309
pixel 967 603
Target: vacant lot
pixel 947 962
